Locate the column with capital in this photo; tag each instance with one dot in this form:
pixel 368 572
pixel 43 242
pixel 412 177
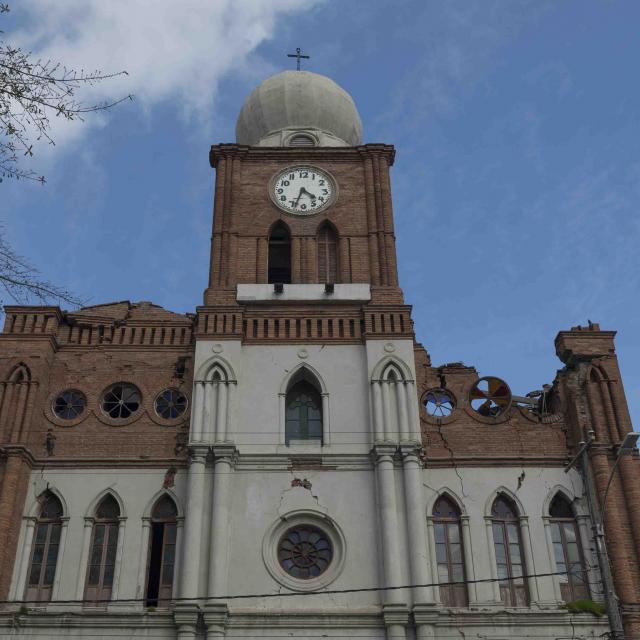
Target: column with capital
pixel 192 538
pixel 224 466
pixel 395 611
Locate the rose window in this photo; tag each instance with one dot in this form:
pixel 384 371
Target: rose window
pixel 121 401
pixel 69 404
pixel 439 403
pixel 305 552
pixel 171 404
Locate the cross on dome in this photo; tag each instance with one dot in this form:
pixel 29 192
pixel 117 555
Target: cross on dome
pixel 297 55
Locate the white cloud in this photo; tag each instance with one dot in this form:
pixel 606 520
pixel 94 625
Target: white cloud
pixel 171 50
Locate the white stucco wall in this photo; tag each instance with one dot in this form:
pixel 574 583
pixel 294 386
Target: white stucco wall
pixel 136 489
pixel 342 493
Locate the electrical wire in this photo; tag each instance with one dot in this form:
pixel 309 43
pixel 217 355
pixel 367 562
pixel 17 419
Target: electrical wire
pixel 301 594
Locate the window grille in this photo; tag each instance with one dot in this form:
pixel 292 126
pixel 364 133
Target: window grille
pixel 170 404
pixel 305 552
pixel 69 404
pixel 121 401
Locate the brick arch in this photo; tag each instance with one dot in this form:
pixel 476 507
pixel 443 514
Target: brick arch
pixel 601 405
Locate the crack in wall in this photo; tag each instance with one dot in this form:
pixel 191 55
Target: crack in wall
pixel 447 446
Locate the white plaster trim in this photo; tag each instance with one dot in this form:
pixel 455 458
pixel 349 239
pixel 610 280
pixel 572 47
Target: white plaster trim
pixel 304 517
pixel 91 511
pixel 252 293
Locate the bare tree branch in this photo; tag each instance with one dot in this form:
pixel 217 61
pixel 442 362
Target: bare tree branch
pixel 31 92
pixel 24 284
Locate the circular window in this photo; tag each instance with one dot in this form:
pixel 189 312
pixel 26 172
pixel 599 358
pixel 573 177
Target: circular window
pixel 121 401
pixel 171 404
pixel 305 552
pixel 439 403
pixel 69 404
pixel 490 397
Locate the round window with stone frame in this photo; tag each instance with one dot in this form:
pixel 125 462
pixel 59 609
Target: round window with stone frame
pixel 69 405
pixel 305 552
pixel 171 404
pixel 439 403
pixel 121 401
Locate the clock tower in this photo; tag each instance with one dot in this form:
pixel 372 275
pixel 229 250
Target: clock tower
pixel 305 387
pixel 286 462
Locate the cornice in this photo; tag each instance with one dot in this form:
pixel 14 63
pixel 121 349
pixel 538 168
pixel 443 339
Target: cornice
pixel 100 463
pixel 9 309
pixel 336 154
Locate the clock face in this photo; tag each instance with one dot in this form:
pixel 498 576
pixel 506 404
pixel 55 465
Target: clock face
pixel 303 190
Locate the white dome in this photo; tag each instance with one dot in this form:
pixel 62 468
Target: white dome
pixel 294 102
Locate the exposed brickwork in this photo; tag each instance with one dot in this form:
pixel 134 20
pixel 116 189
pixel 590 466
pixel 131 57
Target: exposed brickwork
pixel 587 395
pixel 44 352
pixel 517 437
pixel 16 466
pixel 244 215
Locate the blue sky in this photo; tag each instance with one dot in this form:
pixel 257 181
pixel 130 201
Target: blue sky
pixel 516 183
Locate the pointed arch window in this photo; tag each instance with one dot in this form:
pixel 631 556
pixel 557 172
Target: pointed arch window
pixel 104 545
pixel 20 373
pixel 44 553
pixel 162 552
pixel 303 417
pixel 449 553
pixel 567 550
pixel 279 267
pixel 507 540
pixel 327 254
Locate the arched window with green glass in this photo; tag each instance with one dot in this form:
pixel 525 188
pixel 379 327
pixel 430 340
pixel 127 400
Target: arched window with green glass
pixel 303 410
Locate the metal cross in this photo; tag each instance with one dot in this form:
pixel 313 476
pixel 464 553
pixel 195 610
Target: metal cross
pixel 297 55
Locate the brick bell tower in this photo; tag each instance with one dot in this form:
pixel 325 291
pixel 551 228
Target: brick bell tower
pixel 304 402
pixel 303 245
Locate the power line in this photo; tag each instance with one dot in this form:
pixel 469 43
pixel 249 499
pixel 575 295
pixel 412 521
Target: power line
pixel 299 594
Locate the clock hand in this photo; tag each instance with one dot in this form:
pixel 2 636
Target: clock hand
pixel 299 196
pixel 308 193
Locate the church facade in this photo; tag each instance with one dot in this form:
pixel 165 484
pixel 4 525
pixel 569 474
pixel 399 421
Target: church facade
pixel 286 461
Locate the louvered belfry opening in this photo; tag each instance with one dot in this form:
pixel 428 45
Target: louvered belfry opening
pixel 327 254
pixel 302 140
